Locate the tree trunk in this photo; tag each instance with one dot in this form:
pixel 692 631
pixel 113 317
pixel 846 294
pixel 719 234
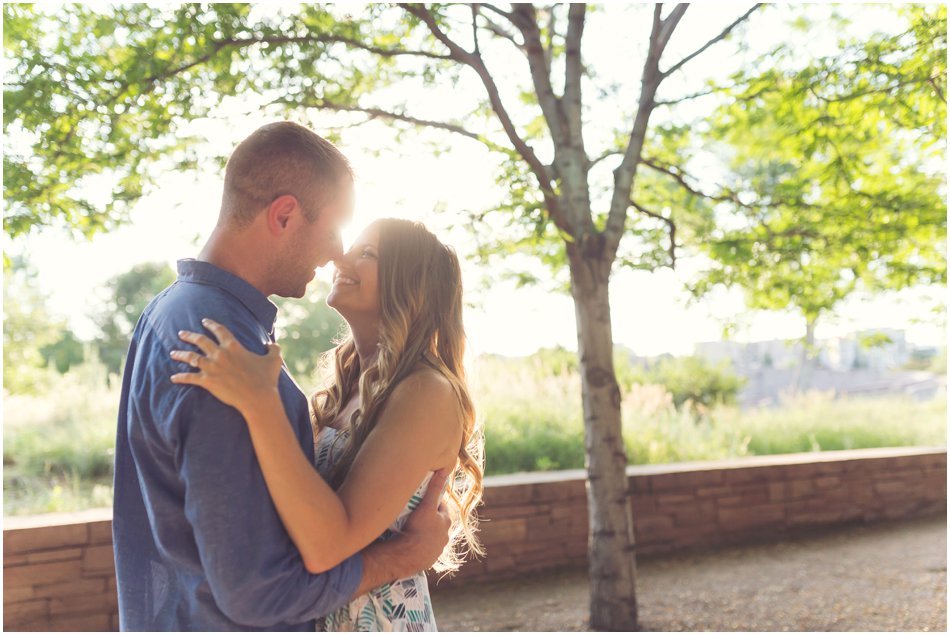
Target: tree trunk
pixel 808 357
pixel 613 602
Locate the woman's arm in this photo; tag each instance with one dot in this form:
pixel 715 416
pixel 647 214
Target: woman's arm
pixel 412 437
pixel 418 430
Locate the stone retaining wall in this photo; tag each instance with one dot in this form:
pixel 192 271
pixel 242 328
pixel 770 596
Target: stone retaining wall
pixel 538 521
pixel 58 568
pixel 59 573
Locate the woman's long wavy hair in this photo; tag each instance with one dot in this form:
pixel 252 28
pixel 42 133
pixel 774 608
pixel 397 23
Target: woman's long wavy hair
pixel 420 320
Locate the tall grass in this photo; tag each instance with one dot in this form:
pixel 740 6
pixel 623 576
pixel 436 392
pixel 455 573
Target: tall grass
pixel 533 421
pixel 817 421
pixel 58 446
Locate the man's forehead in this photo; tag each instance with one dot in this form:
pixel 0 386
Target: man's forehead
pixel 338 212
pixel 345 205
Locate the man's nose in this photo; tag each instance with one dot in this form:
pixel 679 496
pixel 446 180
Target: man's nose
pixel 336 251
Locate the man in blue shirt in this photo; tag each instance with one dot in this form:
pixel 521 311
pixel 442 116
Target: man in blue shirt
pixel 198 542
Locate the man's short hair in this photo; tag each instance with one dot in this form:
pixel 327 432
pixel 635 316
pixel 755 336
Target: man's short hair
pixel 277 159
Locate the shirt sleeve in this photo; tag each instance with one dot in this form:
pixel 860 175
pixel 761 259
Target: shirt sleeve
pixel 255 572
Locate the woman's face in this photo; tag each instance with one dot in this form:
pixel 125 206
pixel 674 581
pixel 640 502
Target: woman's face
pixel 355 292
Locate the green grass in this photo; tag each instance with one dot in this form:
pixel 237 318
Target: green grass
pixel 534 421
pixel 58 446
pixel 817 422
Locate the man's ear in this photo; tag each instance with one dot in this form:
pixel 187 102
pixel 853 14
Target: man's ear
pixel 279 213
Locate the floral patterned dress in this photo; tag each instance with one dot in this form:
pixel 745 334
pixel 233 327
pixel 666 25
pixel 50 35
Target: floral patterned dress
pixel 403 605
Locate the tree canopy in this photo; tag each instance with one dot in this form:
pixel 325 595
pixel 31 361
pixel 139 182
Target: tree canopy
pixel 835 172
pixel 127 295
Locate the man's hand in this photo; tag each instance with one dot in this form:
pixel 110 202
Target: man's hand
pixel 427 529
pixel 424 536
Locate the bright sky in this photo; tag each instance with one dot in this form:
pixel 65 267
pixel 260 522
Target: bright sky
pixel 649 311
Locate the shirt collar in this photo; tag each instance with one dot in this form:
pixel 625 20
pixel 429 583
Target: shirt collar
pixel 265 311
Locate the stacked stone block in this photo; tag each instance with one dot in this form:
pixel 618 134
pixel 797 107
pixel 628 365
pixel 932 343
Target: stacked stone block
pixel 59 575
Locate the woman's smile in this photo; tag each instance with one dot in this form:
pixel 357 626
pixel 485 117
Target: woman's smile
pixel 344 280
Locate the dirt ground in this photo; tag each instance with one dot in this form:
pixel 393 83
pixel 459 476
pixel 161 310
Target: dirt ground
pixel 879 577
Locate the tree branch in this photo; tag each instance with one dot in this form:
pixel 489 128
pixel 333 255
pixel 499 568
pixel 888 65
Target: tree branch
pixel 792 232
pixel 884 89
pixel 498 11
pixel 625 173
pixel 573 71
pixel 657 19
pixel 456 52
pixel 478 51
pixel 605 155
pixel 379 113
pixel 475 62
pixel 719 37
pixel 670 102
pixel 219 45
pixel 668 25
pixel 501 32
pixel 526 22
pixel 670 223
pixel 549 49
pixel 680 178
pixel 333 39
pixel 150 83
pixel 937 90
pixel 726 197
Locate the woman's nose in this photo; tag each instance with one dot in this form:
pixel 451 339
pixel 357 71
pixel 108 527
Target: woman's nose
pixel 340 260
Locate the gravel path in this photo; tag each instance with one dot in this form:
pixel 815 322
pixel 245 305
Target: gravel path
pixel 881 577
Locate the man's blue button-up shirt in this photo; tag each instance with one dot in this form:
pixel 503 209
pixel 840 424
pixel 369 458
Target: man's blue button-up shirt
pixel 198 542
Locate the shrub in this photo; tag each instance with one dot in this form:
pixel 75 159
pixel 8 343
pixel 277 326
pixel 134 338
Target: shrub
pixel 692 380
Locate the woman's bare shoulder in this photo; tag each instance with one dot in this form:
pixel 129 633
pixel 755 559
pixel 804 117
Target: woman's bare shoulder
pixel 428 400
pixel 426 392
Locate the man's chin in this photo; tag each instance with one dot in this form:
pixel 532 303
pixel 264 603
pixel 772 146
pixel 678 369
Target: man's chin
pixel 293 292
pixel 301 291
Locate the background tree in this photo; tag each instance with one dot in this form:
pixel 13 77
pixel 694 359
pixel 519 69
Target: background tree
pixel 64 353
pixel 692 381
pixel 28 328
pixel 835 173
pixel 127 295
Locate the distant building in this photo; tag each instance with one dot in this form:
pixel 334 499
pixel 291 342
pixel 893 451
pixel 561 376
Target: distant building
pixel 839 353
pixel 748 357
pixel 874 349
